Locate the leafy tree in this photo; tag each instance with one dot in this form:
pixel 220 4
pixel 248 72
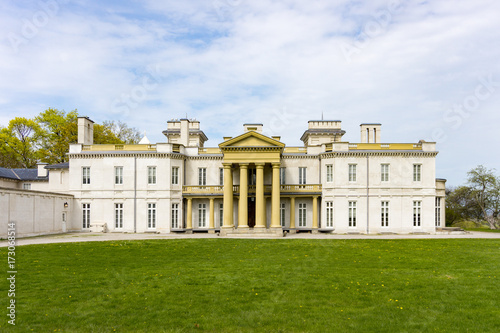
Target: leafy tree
pixel 460 206
pixel 104 135
pixel 20 143
pixel 129 135
pixel 485 191
pixel 59 131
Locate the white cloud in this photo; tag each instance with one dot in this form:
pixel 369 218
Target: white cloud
pixel 232 61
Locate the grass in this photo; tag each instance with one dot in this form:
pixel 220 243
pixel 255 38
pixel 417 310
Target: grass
pixel 225 285
pixel 483 229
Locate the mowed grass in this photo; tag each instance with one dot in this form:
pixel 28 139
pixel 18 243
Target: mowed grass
pixel 239 285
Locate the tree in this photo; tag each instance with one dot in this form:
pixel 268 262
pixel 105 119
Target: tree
pixel 485 191
pixel 60 129
pixel 460 206
pixel 129 135
pixel 20 143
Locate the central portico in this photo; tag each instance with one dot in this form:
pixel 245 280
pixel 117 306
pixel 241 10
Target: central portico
pixel 251 151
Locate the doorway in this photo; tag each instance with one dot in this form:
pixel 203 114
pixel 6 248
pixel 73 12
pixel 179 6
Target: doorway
pixel 251 212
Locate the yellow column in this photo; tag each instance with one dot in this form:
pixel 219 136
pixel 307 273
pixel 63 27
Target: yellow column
pixel 211 217
pixel 228 196
pixel 243 203
pixel 315 213
pixel 189 214
pixel 275 197
pixel 292 213
pixel 260 201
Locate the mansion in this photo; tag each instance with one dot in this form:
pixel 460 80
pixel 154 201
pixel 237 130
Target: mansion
pixel 247 184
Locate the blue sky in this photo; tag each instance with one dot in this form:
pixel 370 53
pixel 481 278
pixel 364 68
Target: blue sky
pixel 425 70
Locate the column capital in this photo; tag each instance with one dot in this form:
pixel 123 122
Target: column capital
pixel 260 165
pixel 276 165
pixel 227 165
pixel 244 165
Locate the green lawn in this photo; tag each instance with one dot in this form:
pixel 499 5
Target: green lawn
pixel 227 285
pixel 483 229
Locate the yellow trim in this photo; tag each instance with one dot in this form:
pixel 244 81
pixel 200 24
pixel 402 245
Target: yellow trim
pixel 254 138
pixel 147 147
pixel 385 146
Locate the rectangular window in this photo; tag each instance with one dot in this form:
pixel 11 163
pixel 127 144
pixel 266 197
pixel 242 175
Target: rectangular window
pixel 221 215
pixel 175 175
pixel 86 175
pixel 417 171
pixel 151 175
pixel 302 176
pixel 329 173
pixel 26 186
pixel 352 214
pixel 302 215
pixel 282 176
pixel 384 172
pixel 202 176
pixel 438 212
pixel 384 213
pixel 252 176
pixel 118 175
pixel 329 214
pixel 202 215
pixel 282 214
pixel 352 172
pixel 118 215
pixel 221 176
pixel 151 215
pixel 175 216
pixel 86 216
pixel 417 206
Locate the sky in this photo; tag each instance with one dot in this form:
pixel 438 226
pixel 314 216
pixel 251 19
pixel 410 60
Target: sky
pixel 425 70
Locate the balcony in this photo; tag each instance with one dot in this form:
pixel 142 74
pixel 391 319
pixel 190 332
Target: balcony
pixel 219 190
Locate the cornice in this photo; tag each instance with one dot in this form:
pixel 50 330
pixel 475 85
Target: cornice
pixel 175 156
pixel 379 153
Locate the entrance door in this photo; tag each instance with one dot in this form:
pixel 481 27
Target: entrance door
pixel 251 212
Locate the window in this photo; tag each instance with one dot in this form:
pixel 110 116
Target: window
pixel 175 215
pixel 384 172
pixel 282 214
pixel 252 176
pixel 118 175
pixel 352 172
pixel 384 213
pixel 118 215
pixel 329 173
pixel 202 215
pixel 151 175
pixel 221 176
pixel 86 175
pixel 438 212
pixel 86 215
pixel 26 186
pixel 302 214
pixel 282 176
pixel 302 176
pixel 221 215
pixel 417 171
pixel 175 175
pixel 202 176
pixel 352 214
pixel 329 214
pixel 151 215
pixel 417 205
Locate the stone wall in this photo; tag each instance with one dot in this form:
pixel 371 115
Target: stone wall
pixel 35 213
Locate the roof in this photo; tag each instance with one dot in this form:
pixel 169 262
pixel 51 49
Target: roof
pixel 191 132
pixel 20 174
pixel 64 165
pixel 328 131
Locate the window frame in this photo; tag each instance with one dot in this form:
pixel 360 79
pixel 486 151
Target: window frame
pixel 353 173
pixel 384 172
pixel 175 175
pixel 329 214
pixel 282 214
pixel 202 215
pixel 352 217
pixel 174 216
pixel 417 213
pixel 118 175
pixel 384 214
pixel 151 215
pixel 417 172
pixel 302 215
pixel 202 176
pixel 119 215
pixel 302 175
pixel 151 175
pixel 85 215
pixel 86 175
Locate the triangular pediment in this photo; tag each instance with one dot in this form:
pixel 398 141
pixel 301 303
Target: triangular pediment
pixel 252 139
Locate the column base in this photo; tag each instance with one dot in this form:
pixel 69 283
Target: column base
pixel 189 231
pixel 243 227
pixel 211 231
pixel 315 231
